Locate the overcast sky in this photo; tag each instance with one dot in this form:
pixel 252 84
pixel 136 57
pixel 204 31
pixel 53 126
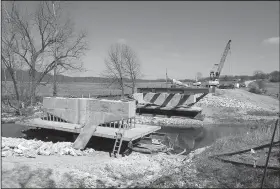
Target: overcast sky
pixel 183 37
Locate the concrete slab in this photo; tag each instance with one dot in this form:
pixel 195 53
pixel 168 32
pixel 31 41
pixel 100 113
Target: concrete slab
pixel 106 132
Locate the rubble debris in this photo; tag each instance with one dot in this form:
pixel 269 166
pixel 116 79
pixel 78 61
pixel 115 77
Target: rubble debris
pixel 32 148
pixel 211 100
pixel 167 121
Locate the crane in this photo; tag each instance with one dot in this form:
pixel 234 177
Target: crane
pixel 217 68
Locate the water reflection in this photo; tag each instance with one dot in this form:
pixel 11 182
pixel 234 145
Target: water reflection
pixel 193 138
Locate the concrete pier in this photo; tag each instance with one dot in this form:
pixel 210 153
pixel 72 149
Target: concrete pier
pixel 165 99
pixel 82 110
pixel 181 90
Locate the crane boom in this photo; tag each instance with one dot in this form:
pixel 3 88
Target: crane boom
pixel 216 70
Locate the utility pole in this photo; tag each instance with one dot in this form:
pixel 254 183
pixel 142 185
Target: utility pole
pixel 166 79
pixel 269 151
pixel 55 54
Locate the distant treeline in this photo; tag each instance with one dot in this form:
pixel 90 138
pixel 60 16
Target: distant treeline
pixel 23 75
pixel 273 77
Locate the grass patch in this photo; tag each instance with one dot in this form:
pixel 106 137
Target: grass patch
pixel 227 175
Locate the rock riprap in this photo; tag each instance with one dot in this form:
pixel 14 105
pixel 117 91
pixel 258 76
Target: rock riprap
pixel 32 148
pixel 167 121
pixel 211 100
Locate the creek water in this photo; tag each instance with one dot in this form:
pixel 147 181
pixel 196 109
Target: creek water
pixel 194 138
pixel 180 138
pixel 12 130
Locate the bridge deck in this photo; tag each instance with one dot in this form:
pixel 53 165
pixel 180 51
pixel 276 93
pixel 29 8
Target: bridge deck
pixel 182 90
pixel 106 132
pixel 167 111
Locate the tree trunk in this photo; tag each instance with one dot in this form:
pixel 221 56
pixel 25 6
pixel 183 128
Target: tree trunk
pixel 133 87
pixel 122 88
pixel 33 87
pixel 122 96
pixel 18 106
pixel 54 82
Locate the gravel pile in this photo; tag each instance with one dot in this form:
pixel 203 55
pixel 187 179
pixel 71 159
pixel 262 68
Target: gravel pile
pixel 176 122
pixel 211 100
pixel 32 148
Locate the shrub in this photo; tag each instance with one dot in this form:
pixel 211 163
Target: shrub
pixel 257 87
pixel 260 84
pixel 255 90
pixel 274 76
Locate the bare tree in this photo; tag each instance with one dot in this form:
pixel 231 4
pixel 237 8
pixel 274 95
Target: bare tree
pixel 114 64
pixel 9 60
pixel 131 66
pixel 37 40
pixel 122 66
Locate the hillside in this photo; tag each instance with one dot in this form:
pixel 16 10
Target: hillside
pixel 23 75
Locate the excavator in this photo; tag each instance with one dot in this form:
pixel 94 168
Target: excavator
pixel 217 68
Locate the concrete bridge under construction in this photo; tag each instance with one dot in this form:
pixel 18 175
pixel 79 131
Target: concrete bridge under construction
pixel 169 101
pixel 91 117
